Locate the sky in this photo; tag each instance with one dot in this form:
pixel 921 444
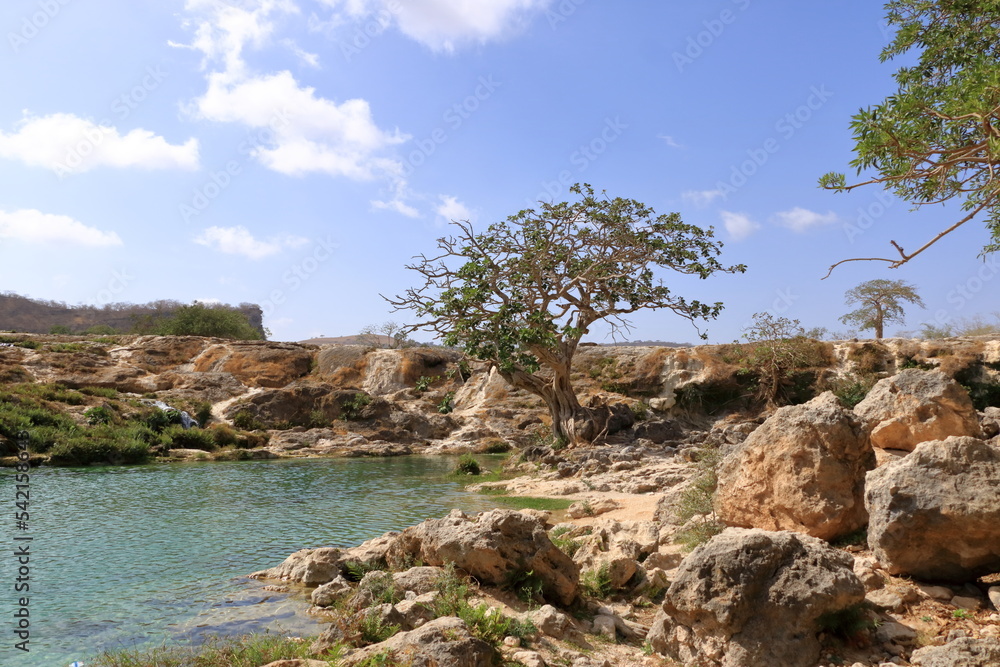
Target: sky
pixel 298 153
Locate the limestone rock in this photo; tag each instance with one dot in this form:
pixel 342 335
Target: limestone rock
pixel 443 642
pixel 417 611
pixel 803 469
pixel 328 593
pixel 916 406
pixel 490 547
pixel 420 580
pixel 964 652
pixel 935 514
pixel 257 364
pixel 592 507
pixel 750 597
pixel 550 621
pixel 311 567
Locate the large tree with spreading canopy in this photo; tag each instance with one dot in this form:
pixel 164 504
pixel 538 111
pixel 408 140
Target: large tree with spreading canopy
pixel 937 138
pixel 523 293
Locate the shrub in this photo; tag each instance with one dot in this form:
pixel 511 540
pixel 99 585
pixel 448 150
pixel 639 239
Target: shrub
pixel 60 329
pixel 446 405
pixel 246 420
pixel 374 630
pixel 101 414
pixel 102 444
pixel 697 500
pixel 100 330
pixel 201 320
pixel 179 437
pixel 203 413
pixel 382 588
pixel 356 570
pixel 852 390
pixel 424 383
pixel 597 583
pixel 353 408
pixel 467 465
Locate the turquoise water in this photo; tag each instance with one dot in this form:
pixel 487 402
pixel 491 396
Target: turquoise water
pixel 146 555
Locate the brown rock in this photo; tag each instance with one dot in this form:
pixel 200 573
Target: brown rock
pixel 311 567
pixel 258 364
pixel 752 598
pixel 935 514
pixel 803 469
pixel 491 547
pixel 443 642
pixel 916 406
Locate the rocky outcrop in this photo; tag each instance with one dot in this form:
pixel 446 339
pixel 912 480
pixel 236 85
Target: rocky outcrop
pixel 257 364
pixel 443 642
pixel 803 470
pixel 962 652
pixel 492 547
pixel 916 406
pixel 311 567
pixel 749 598
pixel 935 513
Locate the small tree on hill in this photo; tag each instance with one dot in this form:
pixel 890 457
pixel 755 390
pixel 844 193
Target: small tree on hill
pixel 776 347
pixel 201 320
pixel 524 292
pixel 389 334
pixel 881 302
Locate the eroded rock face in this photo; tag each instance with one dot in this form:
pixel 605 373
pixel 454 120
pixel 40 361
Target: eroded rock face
pixel 803 469
pixel 963 652
pixel 490 547
pixel 750 597
pixel 311 567
pixel 264 364
pixel 443 642
pixel 935 513
pixel 916 406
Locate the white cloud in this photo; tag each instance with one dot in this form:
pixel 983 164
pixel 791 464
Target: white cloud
pixel 33 226
pixel 451 209
pixel 310 59
pixel 309 132
pixel 800 219
pixel 398 205
pixel 701 198
pixel 739 225
pixel 669 141
pixel 239 241
pixel 68 144
pixel 444 25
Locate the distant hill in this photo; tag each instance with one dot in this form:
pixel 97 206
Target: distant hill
pixel 647 343
pixel 23 314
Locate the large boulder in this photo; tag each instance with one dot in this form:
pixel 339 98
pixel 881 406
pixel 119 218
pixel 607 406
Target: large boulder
pixel 803 469
pixel 962 652
pixel 916 406
pixel 311 567
pixel 443 642
pixel 935 513
pixel 492 547
pixel 257 364
pixel 749 598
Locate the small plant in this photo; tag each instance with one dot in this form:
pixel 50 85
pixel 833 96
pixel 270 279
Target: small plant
pixel 247 421
pixel 852 390
pixel 564 542
pixel 845 623
pixel 101 414
pixel 317 419
pixel 104 392
pixel 424 383
pixel 356 570
pixel 447 403
pixel 374 630
pixel 383 658
pixel 926 619
pixel 382 587
pixel 525 584
pixel 962 614
pixel 697 500
pixel 467 465
pixel 597 583
pixel 203 413
pixel 353 408
pixel 641 411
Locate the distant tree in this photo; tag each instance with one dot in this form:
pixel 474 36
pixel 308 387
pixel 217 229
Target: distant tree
pixel 388 334
pixel 60 329
pixel 201 320
pixel 526 290
pixel 881 302
pixel 937 138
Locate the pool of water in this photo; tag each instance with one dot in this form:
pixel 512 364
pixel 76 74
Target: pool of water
pixel 147 555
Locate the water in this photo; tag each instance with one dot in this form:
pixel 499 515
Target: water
pixel 147 555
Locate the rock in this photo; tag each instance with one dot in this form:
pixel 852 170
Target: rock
pixel 257 364
pixel 864 568
pixel 443 642
pixel 490 548
pixel 994 596
pixel 420 580
pixel 659 430
pixel 935 513
pixel 605 626
pixel 592 507
pixel 750 597
pixel 529 659
pixel 964 602
pixel 917 406
pixel 328 593
pixel 550 621
pixel 803 469
pixel 544 516
pixel 311 567
pixel 936 592
pixel 417 611
pixel 886 600
pixel 891 631
pixel 990 421
pixel 965 652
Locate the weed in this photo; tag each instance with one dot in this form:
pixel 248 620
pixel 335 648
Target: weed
pixel 103 392
pixel 353 408
pixel 382 587
pixel 101 414
pixel 424 383
pixel 383 658
pixel 697 500
pixel 356 570
pixel 525 584
pixel 179 437
pixel 374 630
pixel 852 389
pixel 597 583
pixel 467 465
pixel 858 537
pixel 447 403
pixel 962 614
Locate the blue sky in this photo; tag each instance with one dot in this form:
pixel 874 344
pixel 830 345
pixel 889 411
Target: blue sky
pixel 297 153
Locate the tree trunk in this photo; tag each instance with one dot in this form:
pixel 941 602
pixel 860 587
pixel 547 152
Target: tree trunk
pixel 879 322
pixel 571 422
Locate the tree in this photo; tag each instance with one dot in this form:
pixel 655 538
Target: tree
pixel 881 301
pixel 776 347
pixel 201 320
pixel 937 139
pixel 389 334
pixel 530 287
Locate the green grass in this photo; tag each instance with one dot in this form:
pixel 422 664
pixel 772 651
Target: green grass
pixel 248 651
pixel 597 583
